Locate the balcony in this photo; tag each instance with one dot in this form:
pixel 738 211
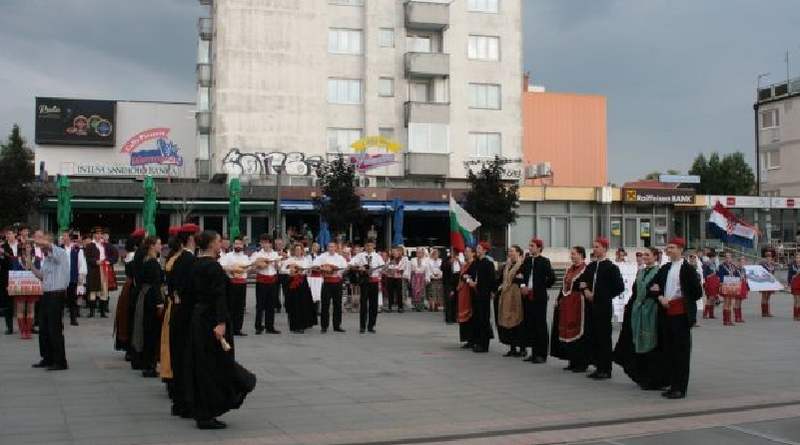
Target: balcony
pixel 204 74
pixel 203 122
pixel 779 90
pixel 206 2
pixel 427 15
pixel 205 26
pixel 427 65
pixel 427 164
pixel 431 112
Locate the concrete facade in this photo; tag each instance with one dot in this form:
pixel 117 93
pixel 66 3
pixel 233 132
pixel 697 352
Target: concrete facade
pixel 271 63
pixel 778 146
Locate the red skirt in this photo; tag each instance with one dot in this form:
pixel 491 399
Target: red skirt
pixel 464 303
pixel 570 317
pixel 711 286
pixel 108 270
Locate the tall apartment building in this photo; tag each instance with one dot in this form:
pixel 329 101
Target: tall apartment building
pixel 778 144
pixel 309 77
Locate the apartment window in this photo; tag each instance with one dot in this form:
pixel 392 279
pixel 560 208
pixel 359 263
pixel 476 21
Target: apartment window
pixel 771 160
pixel 484 96
pixel 345 41
pixel 419 91
pixel 484 145
pixel 491 6
pixel 346 2
pixel 386 86
pixel 386 132
pixel 386 37
pixel 484 48
pixel 418 44
pixel 428 138
pixel 344 90
pixel 339 139
pixel 769 119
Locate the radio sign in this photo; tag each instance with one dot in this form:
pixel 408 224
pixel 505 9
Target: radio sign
pixel 75 122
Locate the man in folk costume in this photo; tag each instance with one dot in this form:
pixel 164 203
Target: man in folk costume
pixel 370 265
pixel 100 257
pixel 537 277
pixel 679 289
pixel 267 263
pixel 77 273
pixel 482 280
pixel 601 282
pixel 236 264
pixel 332 266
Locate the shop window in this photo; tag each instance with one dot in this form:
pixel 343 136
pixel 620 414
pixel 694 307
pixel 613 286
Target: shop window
pixel 581 208
pixel 552 208
pixel 214 223
pixel 580 231
pixel 522 231
pixel 259 225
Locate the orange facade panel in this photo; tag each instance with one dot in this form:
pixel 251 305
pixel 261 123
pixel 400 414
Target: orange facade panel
pixel 569 131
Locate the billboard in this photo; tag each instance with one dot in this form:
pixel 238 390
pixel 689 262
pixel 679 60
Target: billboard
pixel 75 122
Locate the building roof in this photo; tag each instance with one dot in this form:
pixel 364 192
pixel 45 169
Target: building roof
pixel 650 184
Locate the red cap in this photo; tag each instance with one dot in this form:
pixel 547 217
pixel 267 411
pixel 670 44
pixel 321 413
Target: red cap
pixel 189 228
pixel 538 242
pixel 678 241
pixel 485 245
pixel 603 241
pixel 139 232
pixel 173 230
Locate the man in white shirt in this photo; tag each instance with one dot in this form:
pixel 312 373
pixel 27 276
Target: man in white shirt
pixel 369 263
pixel 265 262
pixel 396 270
pixel 236 264
pixel 279 246
pixel 332 266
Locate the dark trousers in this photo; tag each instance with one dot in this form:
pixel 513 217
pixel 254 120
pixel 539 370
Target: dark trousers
pixel 481 316
pixel 450 303
pixel 266 303
pixel 331 292
pixel 72 301
pixel 541 336
pixel 600 338
pixel 394 287
pixel 51 328
pixel 369 304
pixel 678 339
pixel 237 297
pixel 7 310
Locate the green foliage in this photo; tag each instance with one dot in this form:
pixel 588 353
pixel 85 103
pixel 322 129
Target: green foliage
pixel 728 175
pixel 656 174
pixel 491 201
pixel 339 204
pixel 16 175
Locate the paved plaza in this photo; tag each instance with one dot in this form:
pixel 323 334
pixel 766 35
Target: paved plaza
pixel 411 383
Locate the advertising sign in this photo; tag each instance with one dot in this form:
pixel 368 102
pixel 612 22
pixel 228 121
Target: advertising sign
pixel 75 122
pixel 658 196
pixel 364 161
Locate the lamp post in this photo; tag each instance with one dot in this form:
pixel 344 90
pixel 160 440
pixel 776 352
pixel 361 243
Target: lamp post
pixel 279 169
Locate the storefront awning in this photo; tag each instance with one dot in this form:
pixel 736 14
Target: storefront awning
pixel 374 206
pixel 120 204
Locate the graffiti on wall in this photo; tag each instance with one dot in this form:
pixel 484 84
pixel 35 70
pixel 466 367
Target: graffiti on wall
pixel 512 167
pixel 262 164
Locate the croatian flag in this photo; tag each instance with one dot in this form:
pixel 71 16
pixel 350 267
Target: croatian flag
pixel 730 228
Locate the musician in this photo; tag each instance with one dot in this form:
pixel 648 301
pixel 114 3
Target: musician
pixel 732 290
pixel 710 283
pixel 794 284
pixel 236 264
pixel 396 270
pixel 537 277
pixel 265 261
pixel 315 278
pixel 299 305
pixel 369 263
pixel 283 277
pixel 332 266
pixel 100 257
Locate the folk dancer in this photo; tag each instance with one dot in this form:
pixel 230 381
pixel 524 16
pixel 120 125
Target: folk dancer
pixel 482 280
pixel 769 265
pixel 122 326
pixel 26 312
pixel 236 263
pixel 571 317
pixel 369 264
pixel 77 274
pixel 315 278
pixel 463 297
pixel 451 273
pixel 8 251
pixel 793 282
pixel 508 304
pixel 710 284
pixel 537 277
pixel 420 277
pixel 299 304
pixel 54 274
pixel 332 265
pixel 436 285
pixel 149 302
pixel 100 257
pixel 266 262
pixel 395 271
pixel 731 288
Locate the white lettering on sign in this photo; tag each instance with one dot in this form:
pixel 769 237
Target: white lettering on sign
pixel 72 169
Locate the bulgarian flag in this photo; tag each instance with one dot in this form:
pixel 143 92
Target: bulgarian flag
pixel 462 224
pixel 730 229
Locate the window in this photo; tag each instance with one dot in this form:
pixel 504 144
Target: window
pixel 428 138
pixel 491 6
pixel 484 48
pixel 386 132
pixel 386 37
pixel 344 90
pixel 772 160
pixel 769 119
pixel 484 95
pixel 418 44
pixel 386 86
pixel 339 139
pixel 484 145
pixel 344 41
pixel 419 91
pixel 346 2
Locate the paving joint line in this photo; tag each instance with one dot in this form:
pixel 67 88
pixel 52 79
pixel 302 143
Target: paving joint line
pixel 761 435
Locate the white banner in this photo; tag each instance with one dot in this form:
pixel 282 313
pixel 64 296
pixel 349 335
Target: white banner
pixel 758 279
pixel 628 271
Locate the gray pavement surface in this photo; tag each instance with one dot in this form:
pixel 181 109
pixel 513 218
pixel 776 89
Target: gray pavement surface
pixel 411 383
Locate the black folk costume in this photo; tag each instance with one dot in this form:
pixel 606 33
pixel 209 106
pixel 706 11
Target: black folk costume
pixel 537 276
pixel 571 322
pixel 604 280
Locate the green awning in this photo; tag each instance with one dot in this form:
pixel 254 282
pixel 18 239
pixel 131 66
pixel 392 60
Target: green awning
pixel 164 205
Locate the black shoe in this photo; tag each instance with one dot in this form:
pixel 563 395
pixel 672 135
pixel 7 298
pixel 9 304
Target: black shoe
pixel 273 331
pixel 530 359
pixel 149 374
pixel 57 368
pixel 666 393
pixel 480 350
pixel 103 315
pixel 91 314
pixel 324 330
pixel 338 330
pixel 212 424
pixel 602 376
pixel 649 387
pixel 511 353
pixel 389 311
pixel 42 364
pixel 400 311
pixel 578 370
pixel 259 331
pixel 523 353
pixel 592 375
pixel 467 345
pixel 73 322
pixel 9 332
pixel 361 331
pixel 239 334
pixel 297 331
pixel 568 368
pixel 371 330
pixel 538 360
pixel 674 395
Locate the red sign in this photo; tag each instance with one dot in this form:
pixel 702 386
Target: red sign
pixel 148 135
pixel 790 202
pixel 730 201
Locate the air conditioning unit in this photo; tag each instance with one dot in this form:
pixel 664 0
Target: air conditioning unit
pixel 530 172
pixel 543 169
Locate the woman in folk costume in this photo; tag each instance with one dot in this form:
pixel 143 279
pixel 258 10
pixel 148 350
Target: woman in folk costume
pixel 710 285
pixel 794 284
pixel 25 260
pixel 769 265
pixel 436 285
pixel 731 284
pixel 420 277
pixel 571 317
pixel 148 303
pixel 175 249
pixel 463 296
pixel 299 303
pixel 508 308
pixel 640 348
pixel 122 327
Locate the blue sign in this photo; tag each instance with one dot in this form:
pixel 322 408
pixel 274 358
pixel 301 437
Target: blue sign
pixel 680 179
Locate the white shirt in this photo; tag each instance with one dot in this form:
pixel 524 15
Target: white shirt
pixel 420 265
pixel 301 262
pixel 398 268
pixel 269 256
pixel 435 268
pixel 673 290
pixel 101 249
pixel 14 247
pixel 372 260
pixel 335 260
pixel 82 268
pixel 235 259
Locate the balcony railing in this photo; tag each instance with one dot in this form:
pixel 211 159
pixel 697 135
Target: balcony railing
pixel 779 90
pixel 427 164
pixel 203 122
pixel 430 112
pixel 204 74
pixel 427 65
pixel 205 27
pixel 427 15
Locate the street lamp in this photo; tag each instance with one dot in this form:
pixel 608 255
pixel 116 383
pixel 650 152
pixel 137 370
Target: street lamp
pixel 279 169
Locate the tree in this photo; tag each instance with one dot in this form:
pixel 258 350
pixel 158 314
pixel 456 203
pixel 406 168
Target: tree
pixel 729 175
pixel 16 175
pixel 491 201
pixel 339 204
pixel 184 193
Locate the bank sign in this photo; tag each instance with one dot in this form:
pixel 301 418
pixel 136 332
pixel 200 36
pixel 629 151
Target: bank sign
pixel 658 196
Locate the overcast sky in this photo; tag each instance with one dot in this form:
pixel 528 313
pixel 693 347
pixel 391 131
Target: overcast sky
pixel 679 75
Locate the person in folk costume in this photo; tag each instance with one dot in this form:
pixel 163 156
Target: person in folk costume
pixel 149 302
pixel 600 284
pixel 77 272
pixel 332 266
pixel 7 254
pixel 420 277
pixel 315 278
pixel 710 284
pixel 25 260
pixel 571 317
pixel 283 278
pixel 482 280
pixel 737 302
pixel 176 320
pixel 436 285
pixel 640 349
pixel 122 316
pixel 693 261
pixel 793 281
pixel 212 381
pixel 165 370
pixel 236 263
pixel 100 257
pixel 730 291
pixel 299 304
pixel 395 271
pixel 508 304
pixel 451 271
pixel 463 297
pixel 537 276
pixel 266 263
pixel 369 264
pixel 769 265
pixel 679 288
